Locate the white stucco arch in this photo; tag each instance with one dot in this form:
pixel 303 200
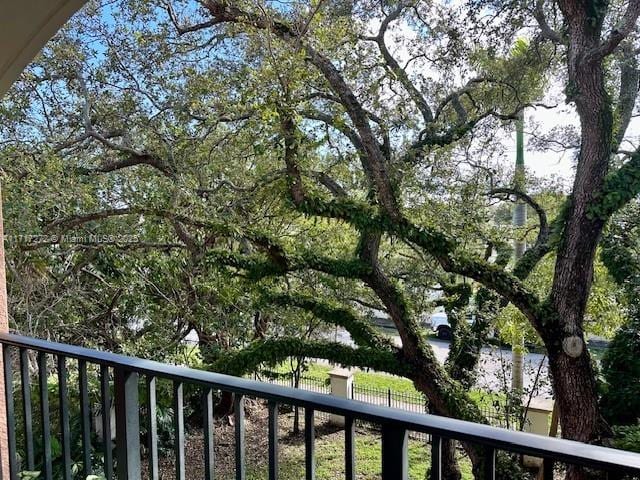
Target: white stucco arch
pixel 25 27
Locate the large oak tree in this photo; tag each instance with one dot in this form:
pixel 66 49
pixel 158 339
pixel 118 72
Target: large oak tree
pixel 363 128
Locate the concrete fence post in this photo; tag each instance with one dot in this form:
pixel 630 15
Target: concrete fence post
pixel 341 386
pixel 537 421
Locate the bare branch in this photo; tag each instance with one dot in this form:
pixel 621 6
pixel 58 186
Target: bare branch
pixel 455 95
pixel 393 65
pixel 620 32
pixel 545 29
pixel 330 184
pixel 181 29
pixel 184 236
pixel 543 233
pixel 225 183
pixel 628 92
pixel 336 123
pixel 377 169
pixel 135 157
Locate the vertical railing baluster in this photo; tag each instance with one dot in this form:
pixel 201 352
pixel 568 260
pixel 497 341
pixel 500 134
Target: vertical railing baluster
pixel 349 448
pixel 85 418
pixel 27 413
pixel 395 462
pixel 273 440
pixel 436 457
pixel 127 424
pixel 152 428
pixel 309 444
pixel 105 397
pixel 489 463
pixel 10 411
pixel 178 426
pixel 208 434
pixel 44 416
pixel 238 407
pixel 65 432
pixel 547 468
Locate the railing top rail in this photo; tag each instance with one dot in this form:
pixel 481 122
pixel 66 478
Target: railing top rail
pixel 525 443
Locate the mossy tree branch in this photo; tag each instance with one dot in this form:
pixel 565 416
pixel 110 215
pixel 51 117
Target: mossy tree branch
pixel 362 333
pixel 619 188
pixel 442 247
pixel 375 158
pixel 259 267
pixel 276 350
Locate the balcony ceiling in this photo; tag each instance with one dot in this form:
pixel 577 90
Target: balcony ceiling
pixel 25 26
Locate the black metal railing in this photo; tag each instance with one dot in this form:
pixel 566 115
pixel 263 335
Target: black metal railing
pixel 125 373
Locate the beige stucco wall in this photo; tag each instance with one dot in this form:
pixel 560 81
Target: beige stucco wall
pixel 25 26
pixel 4 326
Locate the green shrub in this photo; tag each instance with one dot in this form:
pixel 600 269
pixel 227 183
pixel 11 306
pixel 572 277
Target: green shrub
pixel 627 437
pixel 164 417
pixel 621 375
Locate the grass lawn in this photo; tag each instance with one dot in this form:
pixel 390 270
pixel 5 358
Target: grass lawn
pixel 330 459
pixel 329 450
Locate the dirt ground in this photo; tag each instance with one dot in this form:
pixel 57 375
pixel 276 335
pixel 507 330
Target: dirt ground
pixel 291 447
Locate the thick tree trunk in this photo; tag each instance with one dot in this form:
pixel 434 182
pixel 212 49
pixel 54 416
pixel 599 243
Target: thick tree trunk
pixel 575 390
pixel 450 469
pixel 444 395
pixel 570 364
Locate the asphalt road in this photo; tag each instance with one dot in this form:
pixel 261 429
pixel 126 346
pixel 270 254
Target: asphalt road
pixel 494 370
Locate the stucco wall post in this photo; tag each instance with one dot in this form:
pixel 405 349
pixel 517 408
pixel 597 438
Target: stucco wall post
pixel 537 421
pixel 341 386
pixel 4 327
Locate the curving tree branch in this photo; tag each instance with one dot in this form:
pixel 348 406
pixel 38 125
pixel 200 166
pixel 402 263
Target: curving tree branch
pixel 277 350
pixel 545 29
pixel 362 333
pixel 399 73
pixel 375 157
pixel 330 184
pixel 338 124
pixel 543 233
pixel 619 33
